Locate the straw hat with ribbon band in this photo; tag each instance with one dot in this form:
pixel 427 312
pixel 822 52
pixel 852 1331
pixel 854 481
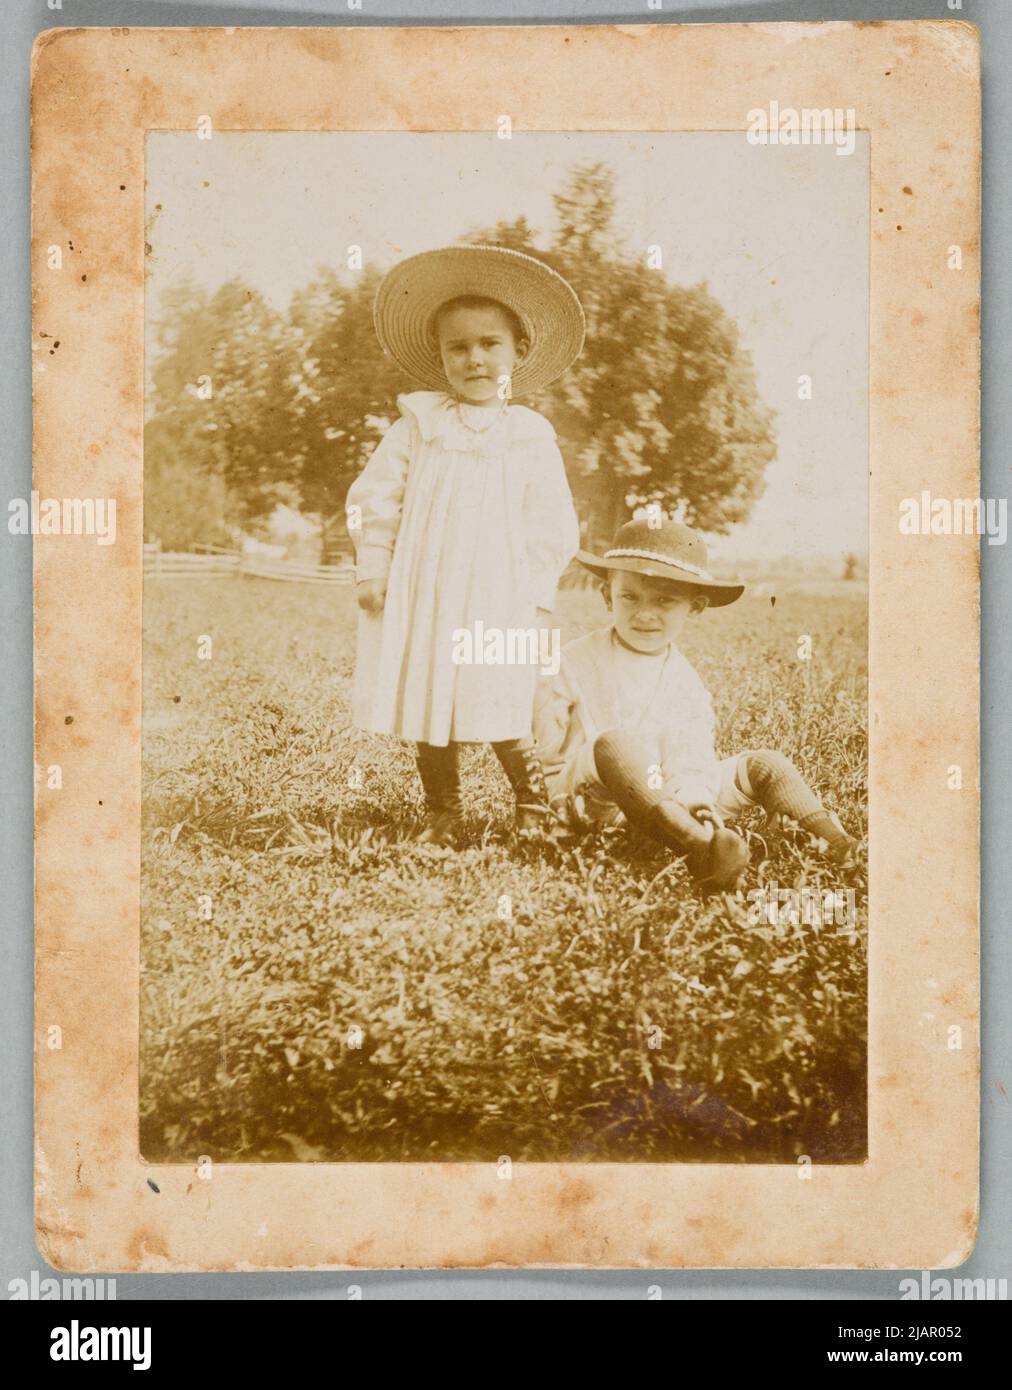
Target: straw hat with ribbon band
pixel 667 551
pixel 545 303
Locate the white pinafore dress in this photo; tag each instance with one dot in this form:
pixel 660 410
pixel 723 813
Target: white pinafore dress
pixel 468 515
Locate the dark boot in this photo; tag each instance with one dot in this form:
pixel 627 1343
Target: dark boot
pixel 715 858
pixel 716 861
pixel 440 776
pixel 719 866
pixel 522 766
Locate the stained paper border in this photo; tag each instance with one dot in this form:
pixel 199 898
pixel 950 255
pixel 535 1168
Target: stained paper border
pixel 915 87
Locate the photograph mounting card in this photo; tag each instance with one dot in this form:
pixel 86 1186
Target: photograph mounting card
pixel 506 646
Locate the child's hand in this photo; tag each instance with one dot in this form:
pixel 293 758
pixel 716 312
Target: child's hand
pixel 371 595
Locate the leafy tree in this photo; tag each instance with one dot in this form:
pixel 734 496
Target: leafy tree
pixel 344 398
pixel 662 405
pixel 218 404
pixel 184 507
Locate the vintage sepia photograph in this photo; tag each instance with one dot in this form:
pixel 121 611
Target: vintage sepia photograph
pixel 505 646
pixel 507 726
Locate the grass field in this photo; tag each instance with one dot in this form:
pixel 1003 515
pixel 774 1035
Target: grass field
pixel 316 986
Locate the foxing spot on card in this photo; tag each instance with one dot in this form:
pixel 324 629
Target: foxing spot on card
pixel 487 543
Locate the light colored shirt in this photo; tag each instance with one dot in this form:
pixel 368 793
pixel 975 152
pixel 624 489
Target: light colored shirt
pixel 601 686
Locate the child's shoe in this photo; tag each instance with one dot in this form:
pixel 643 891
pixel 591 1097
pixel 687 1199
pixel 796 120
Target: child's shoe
pixel 842 850
pixel 830 838
pixel 440 776
pixel 535 818
pixel 715 860
pixel 717 867
pixel 442 827
pixel 823 833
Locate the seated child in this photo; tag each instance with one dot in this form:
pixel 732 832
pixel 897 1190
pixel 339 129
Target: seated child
pixel 627 724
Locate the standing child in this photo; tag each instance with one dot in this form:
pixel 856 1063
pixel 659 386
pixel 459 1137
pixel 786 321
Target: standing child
pixel 463 515
pixel 627 724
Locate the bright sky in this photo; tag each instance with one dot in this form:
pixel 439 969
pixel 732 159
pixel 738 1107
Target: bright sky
pixel 779 233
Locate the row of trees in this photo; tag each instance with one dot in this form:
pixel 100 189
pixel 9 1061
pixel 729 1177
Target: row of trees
pixel 249 407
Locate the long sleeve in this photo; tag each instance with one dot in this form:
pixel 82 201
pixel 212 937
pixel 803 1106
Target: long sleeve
pixel 374 502
pixel 564 746
pixel 553 713
pixel 553 532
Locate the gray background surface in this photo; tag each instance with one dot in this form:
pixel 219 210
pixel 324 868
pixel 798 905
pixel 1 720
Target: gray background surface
pixel 20 22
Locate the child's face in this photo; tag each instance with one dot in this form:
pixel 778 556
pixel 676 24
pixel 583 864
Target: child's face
pixel 478 349
pixel 650 613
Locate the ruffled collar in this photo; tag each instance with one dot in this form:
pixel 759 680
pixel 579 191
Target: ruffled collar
pixel 467 429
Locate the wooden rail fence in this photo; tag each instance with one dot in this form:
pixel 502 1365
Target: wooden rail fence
pixel 212 563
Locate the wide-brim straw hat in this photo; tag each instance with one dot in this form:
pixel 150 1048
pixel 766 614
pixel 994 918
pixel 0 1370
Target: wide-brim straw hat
pixel 666 551
pixel 545 303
